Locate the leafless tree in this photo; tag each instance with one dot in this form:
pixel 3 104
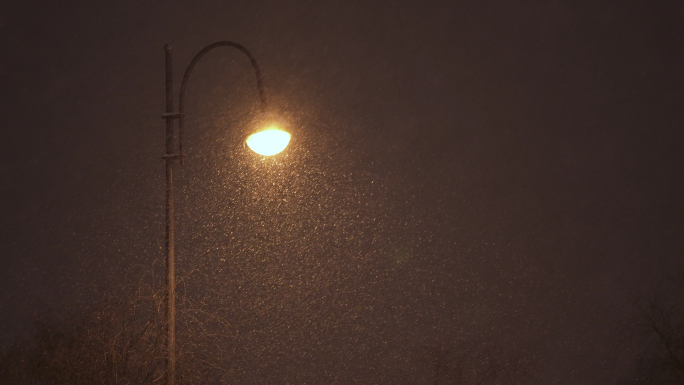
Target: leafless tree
pixel 659 332
pixel 122 341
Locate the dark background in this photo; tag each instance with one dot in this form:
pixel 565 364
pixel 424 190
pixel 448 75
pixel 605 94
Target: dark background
pixel 504 176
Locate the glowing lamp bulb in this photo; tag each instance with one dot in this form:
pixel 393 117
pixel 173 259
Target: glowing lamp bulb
pixel 268 142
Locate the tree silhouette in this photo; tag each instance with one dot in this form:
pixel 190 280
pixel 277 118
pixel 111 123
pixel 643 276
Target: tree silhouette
pixel 121 341
pixel 659 333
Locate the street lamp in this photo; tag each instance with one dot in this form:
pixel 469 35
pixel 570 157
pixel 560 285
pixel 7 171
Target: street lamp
pixel 270 141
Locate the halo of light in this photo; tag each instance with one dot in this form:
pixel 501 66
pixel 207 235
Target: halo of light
pixel 268 142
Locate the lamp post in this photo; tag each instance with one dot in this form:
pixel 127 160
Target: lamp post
pixel 267 142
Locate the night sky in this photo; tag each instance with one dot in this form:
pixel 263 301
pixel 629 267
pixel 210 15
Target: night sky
pixel 477 176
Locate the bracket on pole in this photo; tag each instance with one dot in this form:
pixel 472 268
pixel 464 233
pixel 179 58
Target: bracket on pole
pixel 172 115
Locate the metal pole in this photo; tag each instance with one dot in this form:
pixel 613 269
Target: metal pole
pixel 170 229
pixel 170 157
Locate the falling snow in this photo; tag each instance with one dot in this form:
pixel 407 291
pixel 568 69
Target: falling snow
pixel 467 186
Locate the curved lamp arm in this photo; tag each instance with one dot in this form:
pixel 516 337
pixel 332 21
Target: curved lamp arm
pixel 181 98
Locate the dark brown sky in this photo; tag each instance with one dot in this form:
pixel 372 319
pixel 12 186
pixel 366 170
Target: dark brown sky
pixel 503 173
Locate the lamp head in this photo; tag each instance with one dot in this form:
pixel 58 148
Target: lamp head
pixel 269 138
